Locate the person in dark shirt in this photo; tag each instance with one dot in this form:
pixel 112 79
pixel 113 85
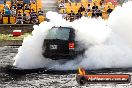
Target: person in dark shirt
pixel 19 18
pixel 19 6
pixel 71 16
pixel 93 13
pixel 33 16
pixel 109 10
pixel 79 14
pixel 13 6
pixel 98 13
pixel 94 8
pixel 82 9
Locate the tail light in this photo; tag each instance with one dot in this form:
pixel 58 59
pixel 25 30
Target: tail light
pixel 71 45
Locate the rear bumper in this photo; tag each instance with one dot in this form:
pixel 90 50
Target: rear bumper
pixel 57 56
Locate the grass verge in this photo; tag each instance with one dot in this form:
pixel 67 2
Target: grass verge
pixel 6 37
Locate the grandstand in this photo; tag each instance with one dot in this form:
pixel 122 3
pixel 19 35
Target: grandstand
pixel 21 12
pixel 33 11
pixel 74 5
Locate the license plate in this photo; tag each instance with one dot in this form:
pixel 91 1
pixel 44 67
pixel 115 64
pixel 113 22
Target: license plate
pixel 53 47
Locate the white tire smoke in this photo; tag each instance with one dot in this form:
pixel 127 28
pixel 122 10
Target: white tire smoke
pixel 106 44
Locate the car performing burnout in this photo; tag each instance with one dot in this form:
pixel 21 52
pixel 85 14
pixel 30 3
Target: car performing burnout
pixel 60 43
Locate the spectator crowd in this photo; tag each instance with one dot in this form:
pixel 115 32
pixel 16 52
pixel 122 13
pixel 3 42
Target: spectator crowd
pixel 90 10
pixel 22 11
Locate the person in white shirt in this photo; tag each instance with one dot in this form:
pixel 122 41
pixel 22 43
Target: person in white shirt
pixel 13 11
pixel 89 8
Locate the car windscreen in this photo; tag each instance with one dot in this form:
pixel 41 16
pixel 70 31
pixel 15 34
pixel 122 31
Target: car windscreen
pixel 58 33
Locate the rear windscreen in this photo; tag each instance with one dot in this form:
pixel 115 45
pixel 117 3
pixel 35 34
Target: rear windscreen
pixel 58 33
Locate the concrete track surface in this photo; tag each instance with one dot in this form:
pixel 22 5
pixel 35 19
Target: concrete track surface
pixel 42 78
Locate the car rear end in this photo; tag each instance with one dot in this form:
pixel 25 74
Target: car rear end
pixel 59 43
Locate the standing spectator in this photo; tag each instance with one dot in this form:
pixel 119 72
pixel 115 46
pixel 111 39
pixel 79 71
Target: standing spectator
pixel 82 9
pixel 109 10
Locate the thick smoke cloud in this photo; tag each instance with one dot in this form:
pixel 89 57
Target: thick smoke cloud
pixel 106 43
pixel 120 21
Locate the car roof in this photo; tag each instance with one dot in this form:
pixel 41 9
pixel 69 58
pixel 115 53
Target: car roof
pixel 62 27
